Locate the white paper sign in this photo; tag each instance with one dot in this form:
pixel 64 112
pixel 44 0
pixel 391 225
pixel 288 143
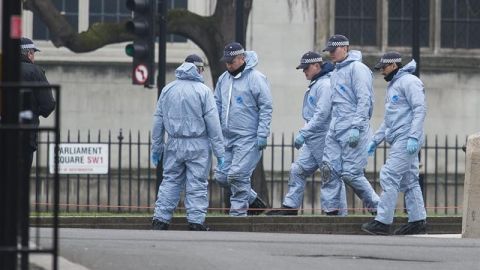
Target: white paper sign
pixel 80 158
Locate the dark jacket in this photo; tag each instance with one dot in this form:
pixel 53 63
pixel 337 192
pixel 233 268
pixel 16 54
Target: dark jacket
pixel 42 102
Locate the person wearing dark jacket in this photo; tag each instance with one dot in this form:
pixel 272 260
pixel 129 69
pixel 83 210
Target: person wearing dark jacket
pixel 42 102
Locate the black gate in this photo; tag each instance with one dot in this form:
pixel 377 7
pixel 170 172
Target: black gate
pixel 20 234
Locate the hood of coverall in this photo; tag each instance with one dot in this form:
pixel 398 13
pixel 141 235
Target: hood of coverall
pixel 251 59
pixel 407 69
pixel 327 67
pixel 188 71
pixel 353 55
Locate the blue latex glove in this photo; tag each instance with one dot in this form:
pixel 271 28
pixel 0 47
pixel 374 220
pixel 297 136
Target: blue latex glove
pixel 371 148
pixel 412 146
pixel 353 138
pixel 220 162
pixel 261 143
pixel 299 141
pixel 155 158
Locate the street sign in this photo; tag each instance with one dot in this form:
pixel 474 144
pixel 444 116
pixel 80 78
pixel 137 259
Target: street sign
pixel 141 74
pixel 80 158
pixel 15 27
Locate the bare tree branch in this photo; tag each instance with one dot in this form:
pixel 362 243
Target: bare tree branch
pixel 210 33
pixel 63 35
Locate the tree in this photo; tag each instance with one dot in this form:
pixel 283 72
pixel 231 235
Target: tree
pixel 210 33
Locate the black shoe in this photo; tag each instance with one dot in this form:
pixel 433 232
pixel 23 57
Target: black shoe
pixel 284 211
pixel 376 228
pixel 332 213
pixel 416 227
pixel 258 206
pixel 198 227
pixel 159 225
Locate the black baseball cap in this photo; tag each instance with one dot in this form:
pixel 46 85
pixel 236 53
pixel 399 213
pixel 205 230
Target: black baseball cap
pixel 309 58
pixel 26 43
pixel 336 41
pixel 231 50
pixel 194 59
pixel 388 58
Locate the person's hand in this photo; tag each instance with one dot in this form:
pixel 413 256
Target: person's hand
pixel 220 162
pixel 299 141
pixel 155 158
pixel 353 137
pixel 371 148
pixel 261 143
pixel 412 146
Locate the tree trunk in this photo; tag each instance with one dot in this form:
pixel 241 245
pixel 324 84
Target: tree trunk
pixel 259 183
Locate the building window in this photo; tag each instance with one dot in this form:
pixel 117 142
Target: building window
pixel 173 4
pixel 114 11
pixel 68 8
pixel 460 27
pixel 400 22
pixel 357 19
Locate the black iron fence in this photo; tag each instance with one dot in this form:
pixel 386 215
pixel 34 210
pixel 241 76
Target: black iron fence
pixel 131 184
pixel 21 232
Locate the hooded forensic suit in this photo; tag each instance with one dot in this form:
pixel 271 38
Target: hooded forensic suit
pixel 316 111
pixel 244 105
pixel 405 112
pixel 352 103
pixel 186 111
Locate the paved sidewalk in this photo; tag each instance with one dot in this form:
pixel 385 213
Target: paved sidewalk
pixel 282 224
pixel 44 262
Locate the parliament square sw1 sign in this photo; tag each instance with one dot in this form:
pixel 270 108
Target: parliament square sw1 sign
pixel 80 158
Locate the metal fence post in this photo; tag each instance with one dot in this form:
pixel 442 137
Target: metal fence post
pixel 119 190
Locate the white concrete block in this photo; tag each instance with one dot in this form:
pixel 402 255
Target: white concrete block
pixel 471 201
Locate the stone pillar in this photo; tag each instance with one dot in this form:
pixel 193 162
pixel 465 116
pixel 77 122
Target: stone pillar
pixel 471 197
pixel 324 23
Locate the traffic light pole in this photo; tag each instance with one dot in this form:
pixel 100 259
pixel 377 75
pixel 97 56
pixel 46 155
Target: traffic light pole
pixel 416 57
pixel 162 66
pixel 10 152
pixel 416 35
pixel 162 45
pixel 239 25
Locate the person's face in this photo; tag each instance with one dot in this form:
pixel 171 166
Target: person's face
pixel 236 62
pixel 385 70
pixel 200 70
pixel 312 70
pixel 339 54
pixel 31 55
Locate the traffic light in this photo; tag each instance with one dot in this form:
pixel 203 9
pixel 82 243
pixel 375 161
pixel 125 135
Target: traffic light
pixel 142 25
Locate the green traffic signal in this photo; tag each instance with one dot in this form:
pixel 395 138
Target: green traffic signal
pixel 129 49
pixel 137 50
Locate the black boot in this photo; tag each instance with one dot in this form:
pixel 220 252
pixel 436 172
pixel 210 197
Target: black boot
pixel 284 211
pixel 159 225
pixel 332 213
pixel 257 207
pixel 198 227
pixel 416 227
pixel 376 228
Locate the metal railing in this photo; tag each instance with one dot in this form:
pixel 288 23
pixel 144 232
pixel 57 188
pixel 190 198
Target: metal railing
pixel 24 231
pixel 131 185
